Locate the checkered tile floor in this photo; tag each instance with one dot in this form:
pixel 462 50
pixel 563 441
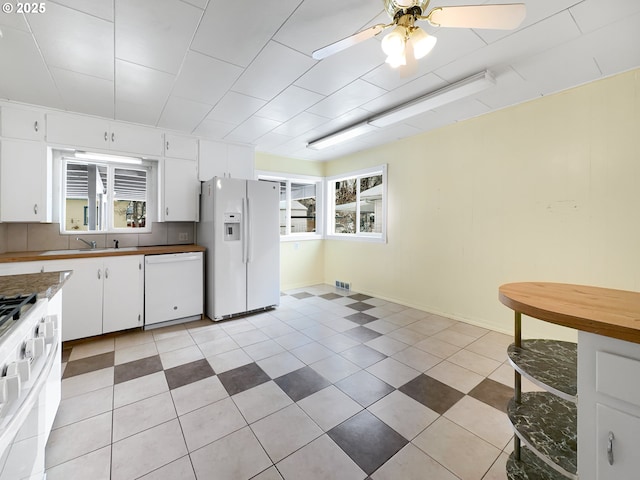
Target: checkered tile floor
pixel 330 385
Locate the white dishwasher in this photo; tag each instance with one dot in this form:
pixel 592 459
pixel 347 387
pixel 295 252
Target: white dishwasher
pixel 173 288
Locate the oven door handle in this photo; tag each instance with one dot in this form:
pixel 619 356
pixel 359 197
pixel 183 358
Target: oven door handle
pixel 10 430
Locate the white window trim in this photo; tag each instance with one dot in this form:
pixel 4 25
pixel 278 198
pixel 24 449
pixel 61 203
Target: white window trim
pixel 319 181
pixel 330 196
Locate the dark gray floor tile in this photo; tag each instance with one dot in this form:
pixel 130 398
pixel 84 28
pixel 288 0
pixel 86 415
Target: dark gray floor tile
pixel 243 378
pixel 361 318
pixel 362 334
pixel 301 383
pixel 188 373
pixel 364 388
pixel 363 356
pixel 330 296
pixel 493 393
pixel 66 353
pixel 359 297
pixel 360 306
pixel 367 440
pixel 301 295
pixel 432 393
pixel 89 364
pixel 139 368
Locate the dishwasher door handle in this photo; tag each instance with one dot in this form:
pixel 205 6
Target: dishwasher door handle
pixel 158 259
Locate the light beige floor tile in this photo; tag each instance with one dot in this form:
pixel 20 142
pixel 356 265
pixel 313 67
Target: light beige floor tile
pixel 393 372
pixel 218 346
pixel 135 352
pixel 468 329
pixel 474 362
pixel 208 334
pixel 455 376
pixel 91 348
pixel 486 346
pixel 329 407
pixel 181 356
pixel 236 456
pixel 335 368
pixel 132 339
pixel 411 463
pixel 262 350
pixel 337 323
pixel 87 382
pixel 249 337
pixel 293 340
pixel 174 343
pixel 312 352
pixel 386 345
pixel 338 343
pixel 455 338
pixel 198 394
pixel 139 416
pixel 437 347
pixel 457 449
pixel 318 331
pixel 226 361
pixel 498 470
pixel 280 364
pixel 431 325
pixel 401 319
pixel 147 451
pixel 81 407
pixel 167 332
pixel 77 439
pixel 381 326
pixel 95 465
pixel 505 375
pixel 237 326
pixel 269 474
pixel 285 431
pixel 403 414
pixel 260 401
pixel 406 335
pixel 139 388
pixel 485 421
pixel 276 329
pixel 180 469
pixel 417 359
pixel 210 423
pixel 322 459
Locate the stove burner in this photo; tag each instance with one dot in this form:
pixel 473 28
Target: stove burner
pixel 12 307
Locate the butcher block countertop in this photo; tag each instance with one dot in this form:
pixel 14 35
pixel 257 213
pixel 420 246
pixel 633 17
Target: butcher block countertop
pixel 98 252
pixel 603 311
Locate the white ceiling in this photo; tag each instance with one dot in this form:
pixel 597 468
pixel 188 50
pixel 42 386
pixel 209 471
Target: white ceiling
pixel 243 72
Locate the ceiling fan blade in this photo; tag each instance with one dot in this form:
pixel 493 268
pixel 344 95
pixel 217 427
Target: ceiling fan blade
pixel 498 17
pixel 345 43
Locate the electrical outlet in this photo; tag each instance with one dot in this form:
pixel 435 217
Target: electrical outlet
pixel 183 236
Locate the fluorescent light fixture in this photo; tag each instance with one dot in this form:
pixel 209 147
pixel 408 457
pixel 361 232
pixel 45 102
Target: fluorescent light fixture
pixel 443 96
pixel 107 158
pixel 340 136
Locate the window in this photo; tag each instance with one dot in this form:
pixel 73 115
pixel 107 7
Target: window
pixel 358 204
pixel 299 205
pixel 100 195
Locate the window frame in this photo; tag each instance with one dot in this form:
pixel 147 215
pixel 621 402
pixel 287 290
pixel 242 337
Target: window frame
pixel 330 183
pixel 290 178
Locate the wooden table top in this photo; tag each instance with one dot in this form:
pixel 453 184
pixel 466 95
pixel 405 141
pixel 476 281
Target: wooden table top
pixel 603 311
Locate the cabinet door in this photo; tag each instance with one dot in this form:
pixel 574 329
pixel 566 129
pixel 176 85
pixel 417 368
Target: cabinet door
pixel 179 146
pixel 212 160
pixel 240 162
pixel 21 123
pixel 77 131
pixel 135 139
pixel 181 191
pixel 123 298
pixel 81 297
pixel 24 182
pixel 617 457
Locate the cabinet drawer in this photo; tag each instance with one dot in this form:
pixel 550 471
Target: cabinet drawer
pixel 617 444
pixel 617 376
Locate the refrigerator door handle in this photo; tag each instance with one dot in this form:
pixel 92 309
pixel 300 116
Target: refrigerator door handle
pixel 249 233
pixel 243 232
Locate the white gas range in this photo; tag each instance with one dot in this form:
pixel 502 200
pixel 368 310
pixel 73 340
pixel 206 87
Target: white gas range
pixel 30 350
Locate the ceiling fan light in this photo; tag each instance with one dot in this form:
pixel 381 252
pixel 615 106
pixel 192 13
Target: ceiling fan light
pixel 393 43
pixel 396 61
pixel 422 42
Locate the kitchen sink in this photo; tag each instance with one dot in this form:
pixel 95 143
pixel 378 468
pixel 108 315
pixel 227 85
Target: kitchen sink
pixel 87 250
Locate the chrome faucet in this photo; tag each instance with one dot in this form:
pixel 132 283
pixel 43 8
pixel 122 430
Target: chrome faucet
pixel 92 244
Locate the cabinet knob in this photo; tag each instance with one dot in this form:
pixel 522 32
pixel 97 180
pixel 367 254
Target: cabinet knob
pixel 106 273
pixel 113 137
pixel 35 209
pixel 35 125
pixel 610 448
pixel 99 274
pixel 167 145
pixel 167 211
pixel 106 136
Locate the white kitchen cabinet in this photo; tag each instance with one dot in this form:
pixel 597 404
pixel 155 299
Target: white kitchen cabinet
pixel 90 132
pixel 21 123
pixel 179 146
pixel 123 293
pixel 617 436
pixel 217 159
pixel 181 195
pixel 25 182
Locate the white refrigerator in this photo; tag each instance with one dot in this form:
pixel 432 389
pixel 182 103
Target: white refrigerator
pixel 240 227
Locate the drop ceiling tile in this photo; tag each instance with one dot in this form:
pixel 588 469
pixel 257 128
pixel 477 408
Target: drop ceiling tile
pixel 289 103
pixel 510 89
pixel 97 8
pixel 591 15
pixel 155 34
pixel 462 110
pixel 428 121
pixel 420 86
pixel 74 41
pixel 352 117
pixel 347 98
pixel 14 21
pixel 84 93
pixel 339 70
pixel 615 47
pixel 141 92
pixel 272 71
pixel 197 3
pixel 271 140
pixel 317 23
pixel 204 79
pixel 300 124
pixel 28 79
pixel 247 28
pixel 252 129
pixel 235 108
pixel 214 129
pixel 183 114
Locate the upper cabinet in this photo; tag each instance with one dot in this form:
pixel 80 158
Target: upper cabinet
pixel 90 132
pixel 179 146
pixel 181 191
pixel 21 123
pixel 217 159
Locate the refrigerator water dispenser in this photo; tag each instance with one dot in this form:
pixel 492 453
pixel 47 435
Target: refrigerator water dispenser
pixel 232 227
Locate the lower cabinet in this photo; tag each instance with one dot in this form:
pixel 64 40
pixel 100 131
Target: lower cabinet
pixel 103 295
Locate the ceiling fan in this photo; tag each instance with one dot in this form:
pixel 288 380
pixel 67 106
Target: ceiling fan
pixel 408 42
